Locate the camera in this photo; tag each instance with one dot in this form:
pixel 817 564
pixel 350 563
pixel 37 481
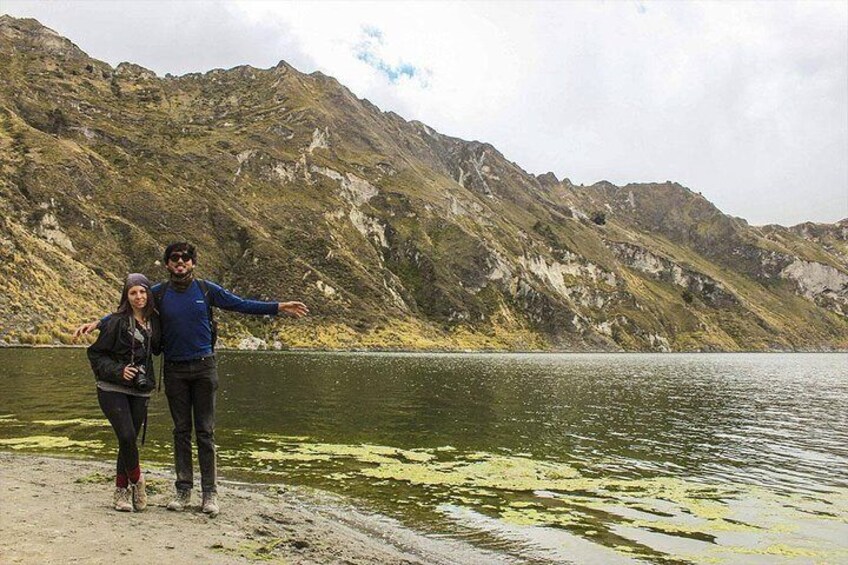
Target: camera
pixel 141 381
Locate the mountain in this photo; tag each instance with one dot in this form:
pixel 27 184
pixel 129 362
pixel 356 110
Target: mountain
pixel 395 235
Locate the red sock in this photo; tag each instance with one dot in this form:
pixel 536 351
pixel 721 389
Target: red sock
pixel 121 481
pixel 135 474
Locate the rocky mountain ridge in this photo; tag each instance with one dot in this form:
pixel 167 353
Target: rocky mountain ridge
pixel 396 235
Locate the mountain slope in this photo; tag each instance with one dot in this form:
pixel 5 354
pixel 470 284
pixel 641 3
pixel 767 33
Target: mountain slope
pixel 394 234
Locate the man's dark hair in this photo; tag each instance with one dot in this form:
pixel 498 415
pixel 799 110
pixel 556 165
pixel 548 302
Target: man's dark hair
pixel 182 246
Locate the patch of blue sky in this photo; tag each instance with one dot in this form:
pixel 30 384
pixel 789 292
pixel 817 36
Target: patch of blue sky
pixel 392 72
pixel 367 52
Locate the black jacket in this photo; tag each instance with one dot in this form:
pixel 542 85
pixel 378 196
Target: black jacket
pixel 113 349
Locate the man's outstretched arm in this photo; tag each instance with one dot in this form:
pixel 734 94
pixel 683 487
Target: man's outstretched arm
pixel 87 328
pixel 226 300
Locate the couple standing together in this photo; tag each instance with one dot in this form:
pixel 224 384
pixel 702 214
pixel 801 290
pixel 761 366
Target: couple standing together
pixel 173 318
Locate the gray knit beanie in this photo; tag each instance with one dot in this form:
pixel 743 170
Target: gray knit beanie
pixel 137 279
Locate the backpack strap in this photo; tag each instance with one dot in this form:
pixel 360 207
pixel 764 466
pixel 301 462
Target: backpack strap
pixel 204 286
pixel 157 296
pixel 160 292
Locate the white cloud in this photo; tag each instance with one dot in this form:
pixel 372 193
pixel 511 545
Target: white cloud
pixel 745 102
pixel 167 37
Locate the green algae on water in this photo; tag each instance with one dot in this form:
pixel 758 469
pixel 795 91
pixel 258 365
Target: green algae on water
pixel 49 442
pixel 519 490
pixel 535 517
pixel 486 471
pixel 277 438
pixel 781 550
pixel 284 456
pixel 84 422
pixel 365 453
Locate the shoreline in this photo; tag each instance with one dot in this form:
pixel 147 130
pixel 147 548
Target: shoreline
pixel 58 510
pixel 4 345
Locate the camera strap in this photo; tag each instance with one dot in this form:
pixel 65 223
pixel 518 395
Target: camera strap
pixel 148 339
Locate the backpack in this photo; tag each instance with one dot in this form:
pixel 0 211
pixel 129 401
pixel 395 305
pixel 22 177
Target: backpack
pixel 204 287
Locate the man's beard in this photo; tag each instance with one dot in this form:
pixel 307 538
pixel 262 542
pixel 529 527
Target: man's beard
pixel 182 282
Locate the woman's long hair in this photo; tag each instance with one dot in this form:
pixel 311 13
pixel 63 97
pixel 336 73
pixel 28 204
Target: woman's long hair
pixel 125 308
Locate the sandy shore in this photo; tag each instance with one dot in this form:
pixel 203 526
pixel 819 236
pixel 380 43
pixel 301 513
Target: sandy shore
pixel 56 510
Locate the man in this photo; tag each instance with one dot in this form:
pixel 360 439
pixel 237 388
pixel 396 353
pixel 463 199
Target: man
pixel 190 373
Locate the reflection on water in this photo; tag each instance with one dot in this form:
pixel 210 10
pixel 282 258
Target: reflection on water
pixel 602 458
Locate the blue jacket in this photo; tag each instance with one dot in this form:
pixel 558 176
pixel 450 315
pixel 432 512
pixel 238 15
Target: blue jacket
pixel 186 328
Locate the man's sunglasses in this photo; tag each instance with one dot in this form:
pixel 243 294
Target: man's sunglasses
pixel 174 257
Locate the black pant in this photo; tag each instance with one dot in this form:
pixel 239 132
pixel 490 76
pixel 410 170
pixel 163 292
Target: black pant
pixel 126 413
pixel 190 387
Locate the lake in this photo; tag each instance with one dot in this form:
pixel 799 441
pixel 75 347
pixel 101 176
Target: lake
pixel 585 458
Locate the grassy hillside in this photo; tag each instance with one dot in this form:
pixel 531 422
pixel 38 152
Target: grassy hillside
pixel 394 234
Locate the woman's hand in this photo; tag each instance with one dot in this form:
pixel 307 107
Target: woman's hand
pixel 129 372
pixel 86 329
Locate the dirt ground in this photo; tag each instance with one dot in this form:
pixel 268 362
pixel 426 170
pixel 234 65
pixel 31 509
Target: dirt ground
pixel 55 510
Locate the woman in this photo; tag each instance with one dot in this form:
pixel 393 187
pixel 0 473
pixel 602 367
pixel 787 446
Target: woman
pixel 122 360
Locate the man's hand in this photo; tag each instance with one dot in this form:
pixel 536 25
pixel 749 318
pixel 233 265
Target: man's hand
pixel 293 309
pixel 86 329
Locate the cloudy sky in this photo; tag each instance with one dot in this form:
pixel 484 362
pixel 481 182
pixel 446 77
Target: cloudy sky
pixel 744 102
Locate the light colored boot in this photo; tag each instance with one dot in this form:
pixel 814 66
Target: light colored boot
pixel 210 504
pixel 122 500
pixel 139 495
pixel 180 501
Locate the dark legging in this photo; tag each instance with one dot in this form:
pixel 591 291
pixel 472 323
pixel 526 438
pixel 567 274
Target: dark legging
pixel 126 414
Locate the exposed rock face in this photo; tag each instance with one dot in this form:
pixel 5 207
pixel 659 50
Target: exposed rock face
pixel 49 229
pixel 832 237
pixel 320 140
pixel 823 284
pixel 294 188
pixel 709 290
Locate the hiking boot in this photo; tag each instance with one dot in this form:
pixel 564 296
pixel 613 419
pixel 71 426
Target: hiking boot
pixel 139 495
pixel 210 504
pixel 122 500
pixel 180 502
